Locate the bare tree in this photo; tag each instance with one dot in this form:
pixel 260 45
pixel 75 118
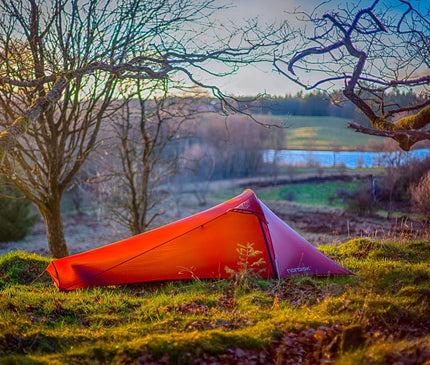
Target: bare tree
pixel 373 51
pixel 138 159
pixel 236 144
pixel 61 61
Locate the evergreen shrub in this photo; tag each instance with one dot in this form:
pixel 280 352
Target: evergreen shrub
pixel 16 219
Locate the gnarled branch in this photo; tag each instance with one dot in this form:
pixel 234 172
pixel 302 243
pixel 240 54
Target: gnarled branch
pixel 405 138
pixel 363 47
pixel 20 126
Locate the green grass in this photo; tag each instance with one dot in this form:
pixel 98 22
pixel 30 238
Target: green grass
pixel 380 315
pixel 313 132
pixel 316 194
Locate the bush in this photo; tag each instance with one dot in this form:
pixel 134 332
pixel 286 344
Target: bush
pixel 420 195
pixel 15 218
pixel 396 182
pixel 361 202
pixel 341 194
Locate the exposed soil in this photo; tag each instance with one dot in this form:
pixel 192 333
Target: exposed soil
pixel 322 225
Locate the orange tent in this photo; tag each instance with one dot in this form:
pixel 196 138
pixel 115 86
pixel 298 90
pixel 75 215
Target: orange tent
pixel 202 246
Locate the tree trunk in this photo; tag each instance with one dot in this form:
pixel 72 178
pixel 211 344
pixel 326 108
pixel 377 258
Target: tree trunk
pixel 54 230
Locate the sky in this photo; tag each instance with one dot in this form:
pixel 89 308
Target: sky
pixel 260 79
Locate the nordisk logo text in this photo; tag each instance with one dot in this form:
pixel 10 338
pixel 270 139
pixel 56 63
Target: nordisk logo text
pixel 298 269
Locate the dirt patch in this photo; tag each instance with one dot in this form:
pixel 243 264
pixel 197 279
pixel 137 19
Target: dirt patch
pixel 322 225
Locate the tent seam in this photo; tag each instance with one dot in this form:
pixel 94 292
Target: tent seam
pixel 143 253
pixel 275 271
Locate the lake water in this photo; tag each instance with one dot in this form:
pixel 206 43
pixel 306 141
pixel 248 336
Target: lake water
pixel 349 159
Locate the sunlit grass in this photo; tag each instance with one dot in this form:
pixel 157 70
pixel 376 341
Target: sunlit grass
pixel 316 194
pixel 316 132
pixel 178 322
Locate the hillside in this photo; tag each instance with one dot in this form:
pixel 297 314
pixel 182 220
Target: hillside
pixel 324 133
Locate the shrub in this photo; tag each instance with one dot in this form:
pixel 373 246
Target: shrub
pixel 341 194
pixel 397 180
pixel 420 195
pixel 361 202
pixel 15 218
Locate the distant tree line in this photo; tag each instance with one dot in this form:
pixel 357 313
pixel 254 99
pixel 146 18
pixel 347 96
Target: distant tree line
pixel 319 103
pixel 315 104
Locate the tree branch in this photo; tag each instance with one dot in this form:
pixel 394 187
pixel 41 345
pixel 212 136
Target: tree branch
pixel 20 126
pixel 365 63
pixel 405 138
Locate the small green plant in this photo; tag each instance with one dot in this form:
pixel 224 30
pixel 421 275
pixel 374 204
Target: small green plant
pixel 249 264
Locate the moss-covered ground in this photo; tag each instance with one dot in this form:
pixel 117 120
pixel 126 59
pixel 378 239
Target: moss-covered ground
pixel 379 316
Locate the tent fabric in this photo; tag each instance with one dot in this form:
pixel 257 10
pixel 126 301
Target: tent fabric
pixel 202 246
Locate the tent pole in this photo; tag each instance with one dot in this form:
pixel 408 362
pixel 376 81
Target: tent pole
pixel 269 252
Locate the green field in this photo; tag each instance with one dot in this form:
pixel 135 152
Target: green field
pixel 307 132
pixel 379 316
pixel 314 194
pixel 310 194
pixel 313 132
